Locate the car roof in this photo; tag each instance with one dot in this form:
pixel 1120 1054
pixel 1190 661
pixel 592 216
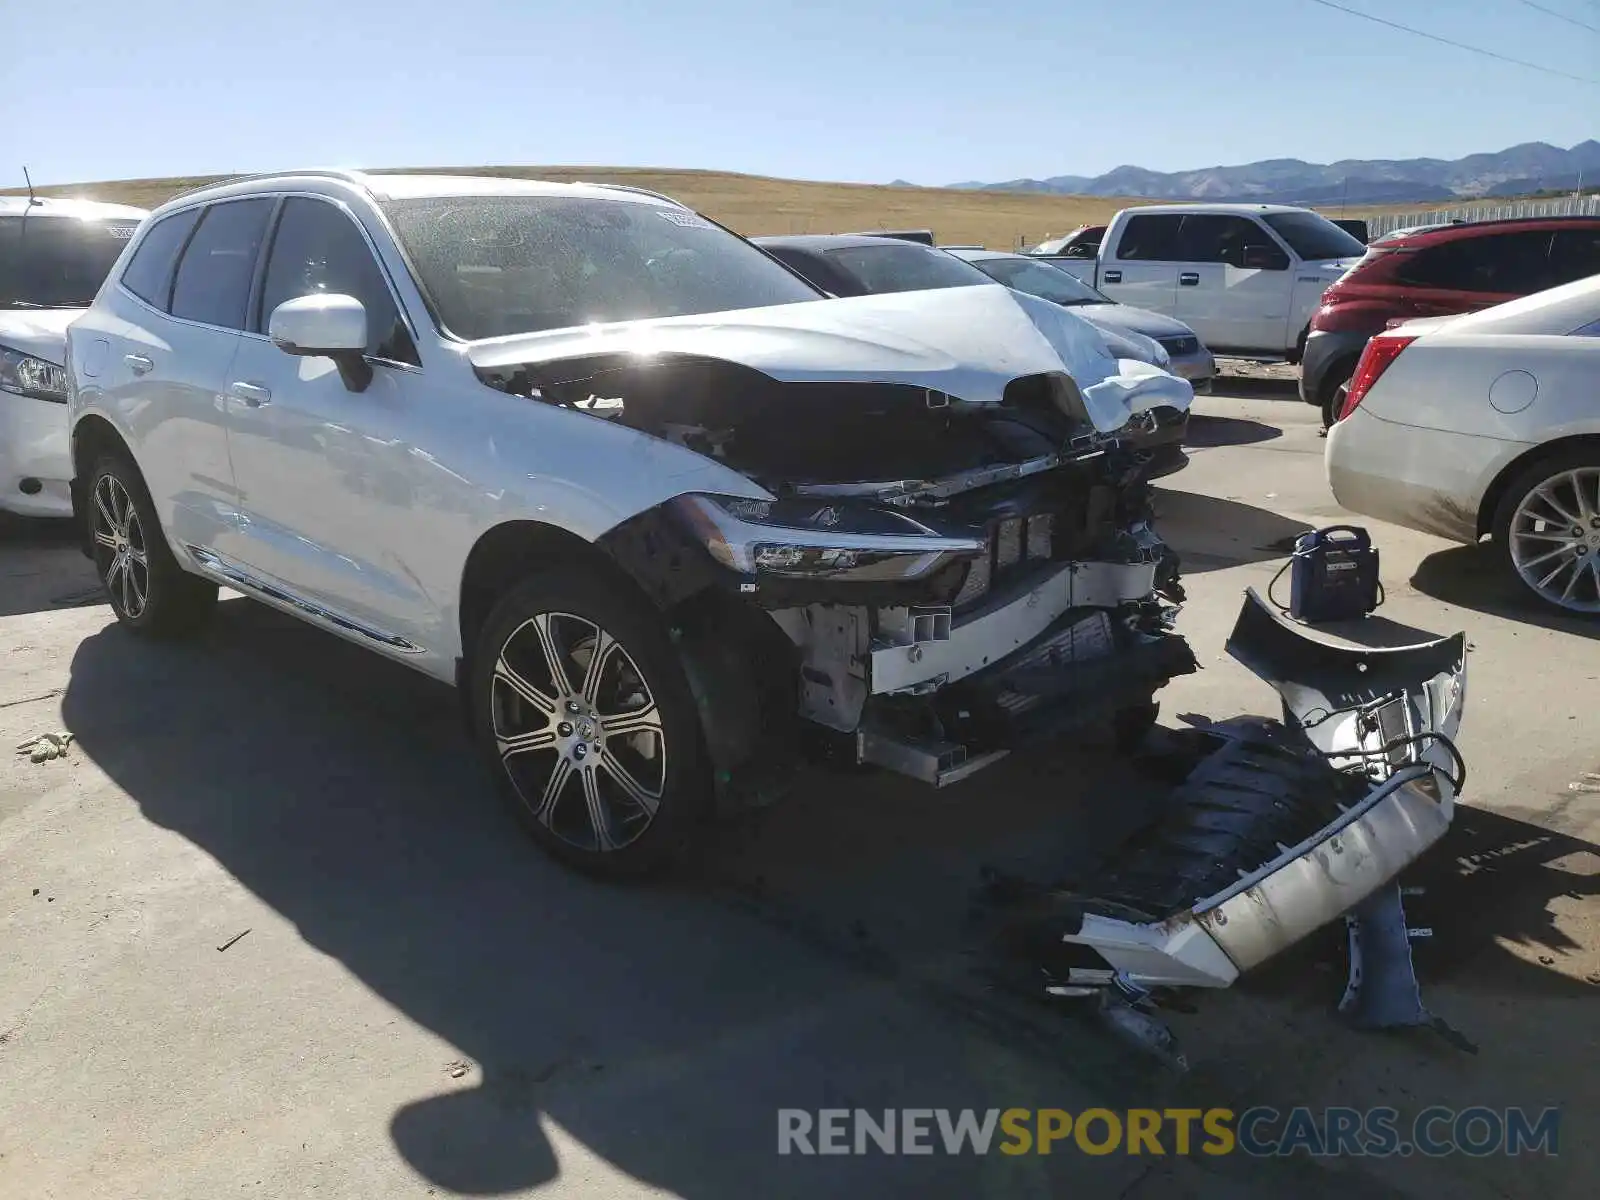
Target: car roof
pixel 834 241
pixel 408 186
pixel 1430 235
pixel 72 207
pixel 1162 210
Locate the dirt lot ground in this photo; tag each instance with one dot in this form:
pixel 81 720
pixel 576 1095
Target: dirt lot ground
pixel 266 930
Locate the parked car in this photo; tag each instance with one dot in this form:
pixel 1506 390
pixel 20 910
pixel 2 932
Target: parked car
pixel 1436 271
pixel 1082 242
pixel 54 254
pixel 1354 226
pixel 850 264
pixel 662 511
pixel 1486 424
pixel 1245 277
pixel 1187 355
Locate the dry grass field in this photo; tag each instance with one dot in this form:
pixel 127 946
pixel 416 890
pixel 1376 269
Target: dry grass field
pixel 755 204
pixel 758 204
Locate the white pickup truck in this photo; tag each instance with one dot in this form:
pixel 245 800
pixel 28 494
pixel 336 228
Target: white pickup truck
pixel 1245 277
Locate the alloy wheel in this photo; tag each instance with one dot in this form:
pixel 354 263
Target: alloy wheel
pixel 119 533
pixel 578 731
pixel 1555 539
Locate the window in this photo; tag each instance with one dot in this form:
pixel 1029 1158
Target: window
pixel 149 272
pixel 1040 279
pixel 318 249
pixel 1511 264
pixel 1575 254
pixel 815 269
pixel 905 267
pixel 213 280
pixel 1214 238
pixel 494 265
pixel 1150 239
pixel 1315 238
pixel 57 262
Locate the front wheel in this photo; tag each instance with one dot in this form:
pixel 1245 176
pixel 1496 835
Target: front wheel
pixel 584 715
pixel 1547 528
pixel 149 592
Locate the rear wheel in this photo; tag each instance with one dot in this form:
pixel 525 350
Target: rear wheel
pixel 150 593
pixel 1547 526
pixel 584 715
pixel 1334 389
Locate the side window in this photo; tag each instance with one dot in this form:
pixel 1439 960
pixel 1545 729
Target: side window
pixel 317 248
pixel 1502 263
pixel 1214 238
pixel 213 280
pixel 149 273
pixel 1150 238
pixel 1575 254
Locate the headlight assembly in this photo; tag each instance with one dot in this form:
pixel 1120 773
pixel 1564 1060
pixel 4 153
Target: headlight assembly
pixel 24 375
pixel 811 539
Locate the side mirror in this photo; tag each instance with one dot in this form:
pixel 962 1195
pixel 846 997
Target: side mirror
pixel 1263 258
pixel 325 325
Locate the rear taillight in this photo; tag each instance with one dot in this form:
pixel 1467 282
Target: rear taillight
pixel 1375 359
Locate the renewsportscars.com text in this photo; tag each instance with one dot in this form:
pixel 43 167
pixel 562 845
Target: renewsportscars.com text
pixel 1260 1131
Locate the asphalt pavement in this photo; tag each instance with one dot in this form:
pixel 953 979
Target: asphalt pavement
pixel 265 929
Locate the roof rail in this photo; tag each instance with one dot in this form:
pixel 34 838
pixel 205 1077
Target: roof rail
pixel 348 176
pixel 628 187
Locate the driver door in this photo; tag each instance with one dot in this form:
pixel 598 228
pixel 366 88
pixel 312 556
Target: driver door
pixel 326 477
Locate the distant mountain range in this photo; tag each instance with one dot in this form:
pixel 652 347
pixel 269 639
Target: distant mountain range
pixel 1519 170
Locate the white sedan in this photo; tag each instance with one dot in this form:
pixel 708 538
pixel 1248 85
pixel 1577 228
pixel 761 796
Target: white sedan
pixel 1487 423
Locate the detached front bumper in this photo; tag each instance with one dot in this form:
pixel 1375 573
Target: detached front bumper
pixel 1281 829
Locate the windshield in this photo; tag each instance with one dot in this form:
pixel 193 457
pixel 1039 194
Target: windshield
pixel 57 262
pixel 1040 279
pixel 905 267
pixel 1313 237
pixel 495 265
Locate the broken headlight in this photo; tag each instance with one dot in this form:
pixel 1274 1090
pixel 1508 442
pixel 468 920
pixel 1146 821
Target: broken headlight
pixel 808 539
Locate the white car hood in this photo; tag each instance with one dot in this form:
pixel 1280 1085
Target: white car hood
pixel 966 342
pixel 40 332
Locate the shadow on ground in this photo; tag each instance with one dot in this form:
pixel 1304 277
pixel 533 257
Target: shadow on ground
pixel 1211 534
pixel 1205 432
pixel 1264 387
pixel 41 568
pixel 1474 577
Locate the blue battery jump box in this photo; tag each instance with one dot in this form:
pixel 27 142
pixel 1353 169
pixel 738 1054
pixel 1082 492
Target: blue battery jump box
pixel 1333 575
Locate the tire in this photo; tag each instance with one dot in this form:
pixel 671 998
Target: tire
pixel 1529 531
pixel 150 593
pixel 1130 726
pixel 618 805
pixel 1333 393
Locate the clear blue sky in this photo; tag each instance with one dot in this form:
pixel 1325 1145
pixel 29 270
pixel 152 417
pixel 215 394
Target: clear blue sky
pixel 932 91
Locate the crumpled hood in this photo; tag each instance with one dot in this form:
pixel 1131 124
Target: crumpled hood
pixel 966 342
pixel 41 332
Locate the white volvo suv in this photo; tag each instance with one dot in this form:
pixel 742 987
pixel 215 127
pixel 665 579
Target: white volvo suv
pixel 671 519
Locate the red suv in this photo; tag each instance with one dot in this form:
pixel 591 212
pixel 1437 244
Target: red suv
pixel 1437 271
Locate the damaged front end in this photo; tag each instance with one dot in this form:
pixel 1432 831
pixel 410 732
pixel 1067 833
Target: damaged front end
pixel 1280 827
pixel 955 551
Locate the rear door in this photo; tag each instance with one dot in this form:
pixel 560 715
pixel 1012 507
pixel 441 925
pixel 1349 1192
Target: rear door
pixel 1230 305
pixel 181 302
pixel 1142 267
pixel 1469 273
pixel 1574 254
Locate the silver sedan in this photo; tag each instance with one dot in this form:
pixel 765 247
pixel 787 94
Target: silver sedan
pixel 1486 424
pixel 1189 357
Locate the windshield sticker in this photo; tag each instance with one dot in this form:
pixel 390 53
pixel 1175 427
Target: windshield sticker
pixel 686 220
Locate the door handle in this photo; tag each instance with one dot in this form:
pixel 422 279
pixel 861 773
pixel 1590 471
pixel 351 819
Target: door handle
pixel 252 394
pixel 1189 279
pixel 138 363
pixel 1111 277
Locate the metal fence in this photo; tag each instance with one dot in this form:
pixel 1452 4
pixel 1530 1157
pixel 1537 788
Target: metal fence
pixel 1564 206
